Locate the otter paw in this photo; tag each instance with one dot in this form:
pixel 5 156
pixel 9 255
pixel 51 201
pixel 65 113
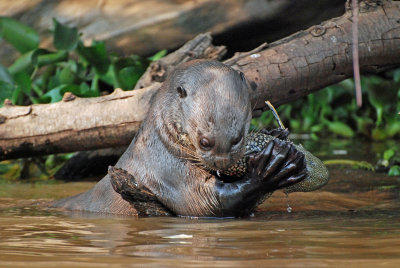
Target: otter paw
pixel 278 165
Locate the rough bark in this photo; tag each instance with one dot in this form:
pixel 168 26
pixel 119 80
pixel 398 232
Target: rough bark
pixel 284 71
pixel 145 27
pixel 73 125
pixel 200 47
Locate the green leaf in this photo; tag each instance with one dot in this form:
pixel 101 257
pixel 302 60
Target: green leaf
pixel 127 71
pixel 295 124
pixel 86 91
pixel 109 77
pixel 317 128
pixel 54 81
pixel 308 121
pixel 65 38
pixel 393 127
pixel 341 129
pixel 6 92
pixel 394 171
pixel 23 63
pixel 23 80
pixel 27 61
pixel 96 55
pixel 388 154
pixel 53 95
pixel 56 94
pixel 129 77
pixel 17 96
pixel 158 55
pixel 5 75
pixel 22 37
pixel 67 76
pixel 314 136
pixel 49 58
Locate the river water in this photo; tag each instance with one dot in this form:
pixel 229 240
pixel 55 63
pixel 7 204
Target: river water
pixel 354 221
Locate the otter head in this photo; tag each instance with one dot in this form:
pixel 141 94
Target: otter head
pixel 213 111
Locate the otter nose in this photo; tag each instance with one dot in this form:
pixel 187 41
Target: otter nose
pixel 222 162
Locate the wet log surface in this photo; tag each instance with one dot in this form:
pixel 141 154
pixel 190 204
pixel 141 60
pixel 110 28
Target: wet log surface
pixel 142 199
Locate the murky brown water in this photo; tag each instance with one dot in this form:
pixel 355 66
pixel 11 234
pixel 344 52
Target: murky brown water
pixel 354 221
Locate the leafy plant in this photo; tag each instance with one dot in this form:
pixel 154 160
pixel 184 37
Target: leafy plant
pixel 42 76
pixel 36 168
pixel 333 110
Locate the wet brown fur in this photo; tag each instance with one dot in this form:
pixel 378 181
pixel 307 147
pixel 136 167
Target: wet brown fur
pixel 165 155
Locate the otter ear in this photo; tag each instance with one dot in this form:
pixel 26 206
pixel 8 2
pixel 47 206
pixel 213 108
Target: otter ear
pixel 242 76
pixel 182 92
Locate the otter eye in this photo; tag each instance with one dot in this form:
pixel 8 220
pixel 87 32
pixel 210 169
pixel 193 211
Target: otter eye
pixel 242 76
pixel 181 91
pixel 237 140
pixel 206 144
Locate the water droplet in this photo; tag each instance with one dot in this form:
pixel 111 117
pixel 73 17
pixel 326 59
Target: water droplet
pixel 289 208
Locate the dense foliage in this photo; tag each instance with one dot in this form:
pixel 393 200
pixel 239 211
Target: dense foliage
pixel 333 110
pixel 42 76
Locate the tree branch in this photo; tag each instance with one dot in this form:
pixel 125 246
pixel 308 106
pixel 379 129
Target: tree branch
pixel 282 72
pixel 322 55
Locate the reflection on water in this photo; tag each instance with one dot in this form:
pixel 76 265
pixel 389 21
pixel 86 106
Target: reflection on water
pixel 317 239
pixel 354 221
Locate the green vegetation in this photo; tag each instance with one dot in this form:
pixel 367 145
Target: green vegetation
pixel 333 111
pixel 38 168
pixel 42 76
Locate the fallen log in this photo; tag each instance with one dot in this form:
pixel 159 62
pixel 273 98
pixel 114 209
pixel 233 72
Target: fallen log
pixel 281 72
pixel 145 27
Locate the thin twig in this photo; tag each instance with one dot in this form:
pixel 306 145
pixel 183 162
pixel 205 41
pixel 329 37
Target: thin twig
pixel 356 63
pixel 275 113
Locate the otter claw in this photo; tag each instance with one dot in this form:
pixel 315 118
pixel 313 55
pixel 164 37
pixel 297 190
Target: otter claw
pixel 293 180
pixel 276 162
pixel 255 162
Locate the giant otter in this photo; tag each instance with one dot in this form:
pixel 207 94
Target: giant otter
pixel 196 126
